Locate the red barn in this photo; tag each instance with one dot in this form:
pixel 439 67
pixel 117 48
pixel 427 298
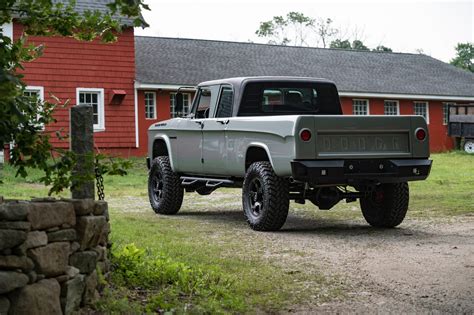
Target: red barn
pixel 131 83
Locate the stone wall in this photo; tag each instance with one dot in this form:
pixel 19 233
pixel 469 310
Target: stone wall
pixel 51 254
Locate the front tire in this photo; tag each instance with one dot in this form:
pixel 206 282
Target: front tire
pixel 164 187
pixel 387 205
pixel 265 198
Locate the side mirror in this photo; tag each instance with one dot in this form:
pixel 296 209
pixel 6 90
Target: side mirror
pixel 178 102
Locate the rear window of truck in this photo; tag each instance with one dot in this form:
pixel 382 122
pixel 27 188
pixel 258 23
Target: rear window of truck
pixel 289 98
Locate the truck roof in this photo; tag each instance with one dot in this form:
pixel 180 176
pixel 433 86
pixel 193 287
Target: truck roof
pixel 239 80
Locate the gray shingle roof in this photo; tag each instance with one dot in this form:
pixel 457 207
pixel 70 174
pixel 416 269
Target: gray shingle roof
pixel 99 5
pixel 190 61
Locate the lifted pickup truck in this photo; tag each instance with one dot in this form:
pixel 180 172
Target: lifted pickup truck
pixel 282 139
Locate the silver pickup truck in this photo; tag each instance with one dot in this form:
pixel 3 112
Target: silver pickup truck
pixel 282 139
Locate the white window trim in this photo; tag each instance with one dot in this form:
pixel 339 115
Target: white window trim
pixel 427 110
pixel 8 30
pixel 100 108
pixel 442 109
pixel 154 104
pixel 185 94
pixel 398 106
pixel 361 99
pixel 40 90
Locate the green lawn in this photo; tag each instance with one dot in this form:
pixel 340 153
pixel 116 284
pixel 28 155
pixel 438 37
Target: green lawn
pixel 214 264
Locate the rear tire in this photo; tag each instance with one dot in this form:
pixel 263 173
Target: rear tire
pixel 265 198
pixel 387 205
pixel 164 187
pixel 469 146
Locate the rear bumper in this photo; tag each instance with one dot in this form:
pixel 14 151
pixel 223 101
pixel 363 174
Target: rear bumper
pixel 360 171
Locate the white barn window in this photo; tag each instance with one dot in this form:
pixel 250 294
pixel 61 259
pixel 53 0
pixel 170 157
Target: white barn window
pixel 36 93
pixel 150 105
pixel 421 109
pixel 360 107
pixel 391 108
pixel 445 112
pixel 7 30
pixel 95 98
pixel 185 110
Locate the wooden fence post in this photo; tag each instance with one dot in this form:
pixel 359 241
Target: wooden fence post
pixel 82 144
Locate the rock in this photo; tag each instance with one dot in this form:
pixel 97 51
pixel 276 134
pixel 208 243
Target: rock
pixel 40 277
pixel 38 298
pixel 101 208
pixel 89 231
pixel 15 225
pixel 72 291
pixel 11 238
pixel 104 236
pixel 36 239
pixel 16 262
pixel 83 206
pixel 62 278
pixel 10 280
pixel 20 250
pixel 75 247
pixel 6 252
pixel 71 272
pixel 101 252
pixel 104 266
pixel 84 261
pixel 52 259
pixel 90 291
pixel 45 215
pixel 14 211
pixel 62 235
pixel 4 305
pixel 53 229
pixel 32 276
pixel 43 199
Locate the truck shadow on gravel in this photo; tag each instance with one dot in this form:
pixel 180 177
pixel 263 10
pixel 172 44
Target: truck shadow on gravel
pixel 301 225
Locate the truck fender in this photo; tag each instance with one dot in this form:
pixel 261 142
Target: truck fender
pixel 259 145
pixel 167 141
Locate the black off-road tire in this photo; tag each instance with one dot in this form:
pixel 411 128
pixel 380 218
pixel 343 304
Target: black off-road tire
pixel 164 187
pixel 272 198
pixel 387 206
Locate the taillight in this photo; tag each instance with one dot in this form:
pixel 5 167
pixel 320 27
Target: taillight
pixel 305 135
pixel 420 134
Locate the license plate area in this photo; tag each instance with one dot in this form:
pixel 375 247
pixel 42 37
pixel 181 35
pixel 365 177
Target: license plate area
pixel 362 143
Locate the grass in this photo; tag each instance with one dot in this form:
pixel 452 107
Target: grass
pixel 206 260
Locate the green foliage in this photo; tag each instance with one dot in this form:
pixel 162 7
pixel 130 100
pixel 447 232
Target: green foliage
pixel 170 285
pixel 278 28
pixel 382 48
pixel 346 44
pixel 464 56
pixel 22 118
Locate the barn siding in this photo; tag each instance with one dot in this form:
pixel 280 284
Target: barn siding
pixel 68 64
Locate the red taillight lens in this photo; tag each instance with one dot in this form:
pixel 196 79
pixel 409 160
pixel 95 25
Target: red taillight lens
pixel 305 135
pixel 420 134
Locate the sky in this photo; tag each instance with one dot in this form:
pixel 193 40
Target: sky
pixel 405 26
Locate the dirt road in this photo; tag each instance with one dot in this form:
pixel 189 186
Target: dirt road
pixel 424 266
pixel 420 267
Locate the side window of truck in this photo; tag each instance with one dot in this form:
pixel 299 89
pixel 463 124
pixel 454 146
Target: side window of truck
pixel 224 108
pixel 206 101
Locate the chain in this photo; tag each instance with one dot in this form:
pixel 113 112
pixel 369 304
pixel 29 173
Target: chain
pixel 99 181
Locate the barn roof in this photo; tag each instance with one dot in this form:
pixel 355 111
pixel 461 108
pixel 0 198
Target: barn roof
pixel 97 5
pixel 178 61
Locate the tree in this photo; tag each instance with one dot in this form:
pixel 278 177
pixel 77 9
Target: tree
pixel 346 44
pixel 325 31
pixel 21 117
pixel 464 56
pixel 277 29
pixel 341 44
pixel 382 48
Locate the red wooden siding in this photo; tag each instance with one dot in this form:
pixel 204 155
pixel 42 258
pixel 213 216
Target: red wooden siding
pixel 68 64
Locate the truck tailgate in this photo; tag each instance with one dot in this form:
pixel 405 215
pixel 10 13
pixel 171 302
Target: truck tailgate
pixel 362 137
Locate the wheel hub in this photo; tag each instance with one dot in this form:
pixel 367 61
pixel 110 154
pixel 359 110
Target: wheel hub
pixel 256 197
pixel 158 187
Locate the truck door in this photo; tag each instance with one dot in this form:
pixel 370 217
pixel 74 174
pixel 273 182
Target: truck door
pixel 214 149
pixel 190 133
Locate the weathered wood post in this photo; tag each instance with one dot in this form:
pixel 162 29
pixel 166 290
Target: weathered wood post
pixel 82 144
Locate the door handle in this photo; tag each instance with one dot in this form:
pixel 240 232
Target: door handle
pixel 200 123
pixel 223 122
